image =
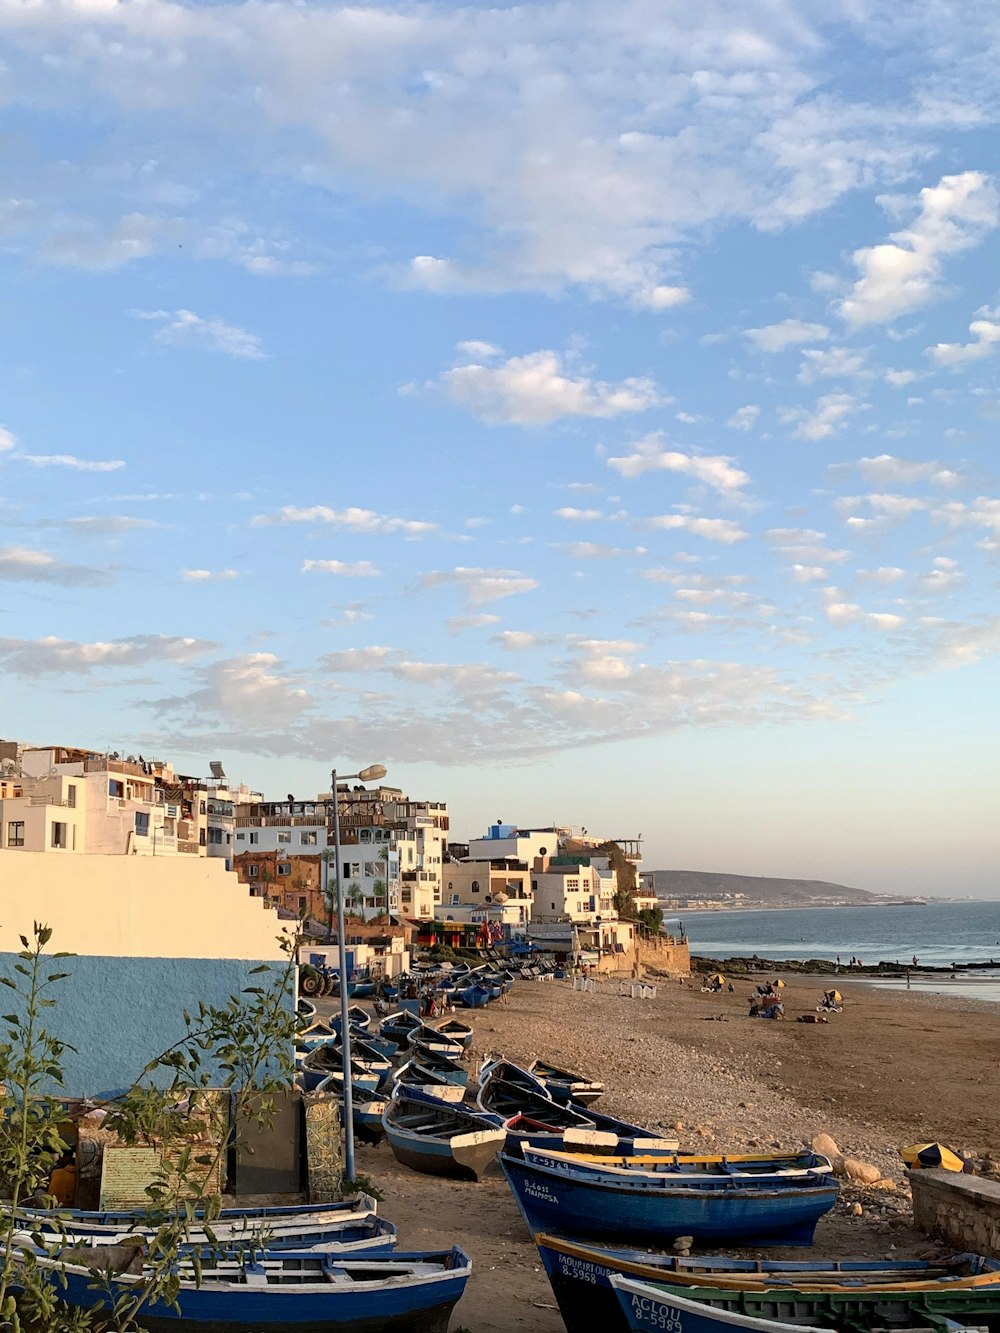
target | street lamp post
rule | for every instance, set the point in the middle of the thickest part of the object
(371, 774)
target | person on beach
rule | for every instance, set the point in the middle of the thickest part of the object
(503, 992)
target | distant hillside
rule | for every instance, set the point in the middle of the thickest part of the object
(707, 884)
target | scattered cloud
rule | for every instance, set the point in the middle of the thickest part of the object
(649, 455)
(351, 569)
(579, 515)
(537, 389)
(744, 418)
(353, 519)
(72, 462)
(53, 656)
(985, 337)
(480, 586)
(832, 363)
(789, 333)
(456, 624)
(357, 659)
(209, 576)
(904, 273)
(712, 529)
(598, 551)
(20, 564)
(183, 328)
(828, 418)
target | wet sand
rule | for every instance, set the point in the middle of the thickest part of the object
(894, 1068)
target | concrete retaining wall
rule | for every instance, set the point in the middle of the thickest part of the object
(962, 1210)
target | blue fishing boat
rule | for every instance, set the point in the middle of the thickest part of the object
(455, 1030)
(359, 1019)
(710, 1172)
(327, 1061)
(440, 1140)
(454, 1071)
(408, 1293)
(364, 990)
(936, 1309)
(284, 1228)
(366, 1107)
(524, 1133)
(563, 1085)
(398, 1025)
(316, 1034)
(432, 1039)
(579, 1273)
(586, 1203)
(429, 1081)
(495, 1069)
(474, 996)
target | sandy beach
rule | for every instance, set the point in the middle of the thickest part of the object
(894, 1068)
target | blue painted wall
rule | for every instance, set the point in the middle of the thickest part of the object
(121, 1012)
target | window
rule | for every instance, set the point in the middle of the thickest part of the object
(15, 833)
(253, 871)
(475, 886)
(284, 868)
(201, 837)
(240, 837)
(284, 836)
(215, 836)
(116, 788)
(202, 807)
(456, 898)
(141, 824)
(307, 839)
(58, 834)
(71, 795)
(303, 903)
(254, 837)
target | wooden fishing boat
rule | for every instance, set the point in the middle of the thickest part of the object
(305, 1010)
(523, 1133)
(409, 1293)
(452, 1070)
(415, 1075)
(327, 1061)
(316, 1034)
(623, 1208)
(440, 1140)
(398, 1025)
(284, 1228)
(433, 1040)
(357, 1018)
(579, 1273)
(508, 1100)
(455, 1030)
(495, 1067)
(564, 1086)
(646, 1306)
(364, 990)
(693, 1171)
(474, 996)
(366, 1107)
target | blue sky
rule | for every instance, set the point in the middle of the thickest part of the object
(588, 411)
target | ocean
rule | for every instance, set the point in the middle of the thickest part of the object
(938, 933)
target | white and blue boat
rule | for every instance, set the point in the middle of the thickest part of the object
(273, 1293)
(693, 1171)
(398, 1025)
(453, 1070)
(579, 1273)
(556, 1197)
(474, 996)
(455, 1030)
(428, 1081)
(441, 1140)
(280, 1228)
(563, 1085)
(432, 1039)
(942, 1308)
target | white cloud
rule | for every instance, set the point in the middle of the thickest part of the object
(209, 576)
(104, 525)
(72, 462)
(536, 389)
(33, 657)
(21, 564)
(889, 470)
(354, 519)
(85, 244)
(885, 574)
(808, 573)
(789, 333)
(744, 418)
(944, 576)
(904, 272)
(480, 585)
(985, 336)
(832, 363)
(598, 551)
(649, 455)
(712, 529)
(351, 569)
(7, 440)
(803, 546)
(830, 416)
(517, 640)
(183, 328)
(248, 690)
(899, 379)
(363, 660)
(579, 515)
(458, 623)
(660, 297)
(480, 351)
(839, 613)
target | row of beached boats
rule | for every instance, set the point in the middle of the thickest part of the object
(605, 1199)
(324, 1268)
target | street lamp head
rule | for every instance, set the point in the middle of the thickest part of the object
(372, 773)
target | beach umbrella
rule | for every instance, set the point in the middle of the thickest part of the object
(779, 983)
(834, 996)
(931, 1154)
(717, 980)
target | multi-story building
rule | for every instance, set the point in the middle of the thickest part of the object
(574, 888)
(503, 883)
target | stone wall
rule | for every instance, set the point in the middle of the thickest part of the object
(666, 954)
(962, 1210)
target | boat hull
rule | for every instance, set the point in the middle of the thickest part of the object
(580, 1276)
(597, 1207)
(421, 1306)
(465, 1157)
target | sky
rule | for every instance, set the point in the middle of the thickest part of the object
(588, 411)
